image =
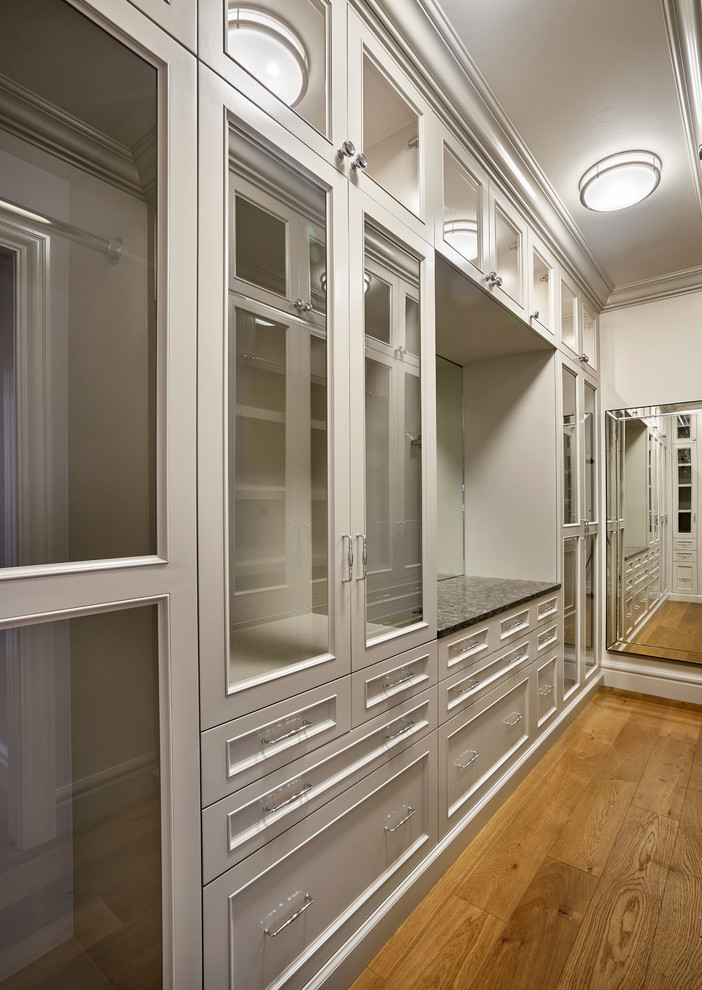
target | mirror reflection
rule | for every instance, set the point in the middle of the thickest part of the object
(653, 604)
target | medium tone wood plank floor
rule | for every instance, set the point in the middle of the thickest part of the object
(673, 632)
(590, 875)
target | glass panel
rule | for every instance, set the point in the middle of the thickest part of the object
(449, 466)
(79, 362)
(571, 615)
(287, 55)
(80, 814)
(684, 455)
(684, 522)
(412, 340)
(541, 291)
(685, 497)
(685, 475)
(277, 456)
(589, 645)
(682, 427)
(462, 215)
(508, 255)
(260, 247)
(590, 442)
(377, 309)
(569, 326)
(390, 137)
(570, 464)
(590, 336)
(393, 461)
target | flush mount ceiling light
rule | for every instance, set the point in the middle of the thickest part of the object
(620, 180)
(463, 236)
(270, 51)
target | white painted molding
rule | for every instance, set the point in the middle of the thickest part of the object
(674, 284)
(104, 778)
(58, 133)
(675, 681)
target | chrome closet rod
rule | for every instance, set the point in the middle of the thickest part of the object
(111, 248)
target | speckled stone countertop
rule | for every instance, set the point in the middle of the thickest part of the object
(633, 551)
(462, 601)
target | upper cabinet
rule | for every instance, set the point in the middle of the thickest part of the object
(578, 325)
(178, 17)
(541, 280)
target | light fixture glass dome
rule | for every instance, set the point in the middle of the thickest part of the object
(620, 180)
(270, 51)
(463, 236)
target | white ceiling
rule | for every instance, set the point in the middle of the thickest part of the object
(579, 80)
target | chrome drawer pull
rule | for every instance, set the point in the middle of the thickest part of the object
(465, 645)
(546, 609)
(294, 797)
(405, 728)
(546, 691)
(412, 811)
(466, 690)
(514, 625)
(304, 724)
(519, 656)
(514, 716)
(474, 757)
(293, 917)
(403, 677)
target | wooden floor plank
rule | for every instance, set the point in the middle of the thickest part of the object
(586, 839)
(664, 781)
(632, 749)
(534, 946)
(368, 980)
(617, 933)
(695, 780)
(453, 945)
(675, 960)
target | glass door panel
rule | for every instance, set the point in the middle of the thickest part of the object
(462, 210)
(508, 256)
(542, 279)
(589, 451)
(569, 318)
(390, 136)
(591, 604)
(570, 449)
(590, 336)
(571, 615)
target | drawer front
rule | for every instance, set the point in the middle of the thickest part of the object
(464, 648)
(274, 919)
(477, 744)
(546, 638)
(547, 609)
(515, 624)
(685, 555)
(466, 687)
(247, 748)
(245, 821)
(684, 544)
(547, 690)
(380, 687)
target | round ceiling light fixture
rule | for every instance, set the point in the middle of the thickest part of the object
(620, 180)
(463, 236)
(270, 51)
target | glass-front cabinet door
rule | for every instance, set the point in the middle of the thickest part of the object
(393, 583)
(461, 212)
(541, 287)
(273, 375)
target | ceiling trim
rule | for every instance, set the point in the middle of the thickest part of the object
(661, 287)
(683, 26)
(53, 130)
(427, 37)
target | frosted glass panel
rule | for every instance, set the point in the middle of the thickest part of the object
(80, 839)
(78, 362)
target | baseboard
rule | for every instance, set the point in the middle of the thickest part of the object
(673, 680)
(350, 960)
(678, 596)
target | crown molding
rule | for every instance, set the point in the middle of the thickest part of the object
(430, 42)
(51, 129)
(661, 287)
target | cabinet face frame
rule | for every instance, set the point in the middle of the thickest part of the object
(362, 210)
(177, 17)
(220, 108)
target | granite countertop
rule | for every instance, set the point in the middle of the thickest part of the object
(462, 601)
(630, 552)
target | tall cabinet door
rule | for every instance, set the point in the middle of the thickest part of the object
(99, 722)
(392, 454)
(273, 411)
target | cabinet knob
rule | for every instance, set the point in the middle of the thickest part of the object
(303, 307)
(583, 358)
(347, 150)
(493, 279)
(360, 161)
(535, 315)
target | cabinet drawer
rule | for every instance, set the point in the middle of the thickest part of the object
(461, 649)
(467, 686)
(684, 555)
(242, 823)
(480, 742)
(384, 685)
(513, 625)
(547, 690)
(684, 544)
(275, 918)
(546, 609)
(546, 638)
(241, 751)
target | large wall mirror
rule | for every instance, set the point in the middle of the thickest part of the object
(654, 591)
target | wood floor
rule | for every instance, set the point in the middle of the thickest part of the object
(590, 876)
(673, 632)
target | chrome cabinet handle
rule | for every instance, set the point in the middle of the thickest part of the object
(412, 811)
(583, 358)
(403, 678)
(359, 162)
(405, 728)
(493, 279)
(514, 625)
(515, 716)
(519, 656)
(546, 691)
(293, 917)
(349, 557)
(474, 757)
(347, 150)
(301, 306)
(466, 690)
(304, 724)
(276, 807)
(534, 315)
(364, 556)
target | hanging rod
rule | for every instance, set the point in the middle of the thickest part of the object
(111, 248)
